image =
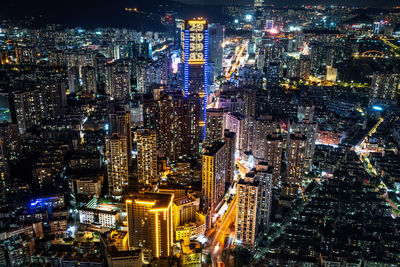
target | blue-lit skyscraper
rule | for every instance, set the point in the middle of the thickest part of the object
(195, 59)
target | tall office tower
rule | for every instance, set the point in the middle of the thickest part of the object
(216, 48)
(120, 122)
(117, 163)
(195, 62)
(259, 15)
(377, 27)
(384, 87)
(273, 74)
(213, 175)
(215, 124)
(295, 152)
(273, 156)
(89, 80)
(246, 210)
(150, 224)
(146, 140)
(230, 139)
(178, 132)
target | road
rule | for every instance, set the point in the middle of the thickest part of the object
(369, 168)
(218, 237)
(239, 54)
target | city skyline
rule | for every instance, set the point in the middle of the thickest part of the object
(213, 134)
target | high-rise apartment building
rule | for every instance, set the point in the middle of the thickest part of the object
(178, 132)
(263, 174)
(120, 122)
(309, 129)
(216, 50)
(253, 204)
(118, 81)
(295, 153)
(213, 175)
(385, 87)
(215, 124)
(117, 163)
(230, 139)
(246, 211)
(146, 140)
(150, 224)
(273, 74)
(273, 156)
(44, 101)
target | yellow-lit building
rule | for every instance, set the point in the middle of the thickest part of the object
(185, 210)
(150, 224)
(117, 163)
(246, 211)
(147, 155)
(213, 175)
(190, 231)
(191, 254)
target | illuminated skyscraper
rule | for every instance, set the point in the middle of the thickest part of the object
(117, 163)
(213, 175)
(246, 210)
(146, 155)
(253, 204)
(150, 224)
(195, 60)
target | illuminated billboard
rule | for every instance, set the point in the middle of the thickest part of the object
(195, 41)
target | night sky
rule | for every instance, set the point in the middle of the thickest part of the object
(97, 13)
